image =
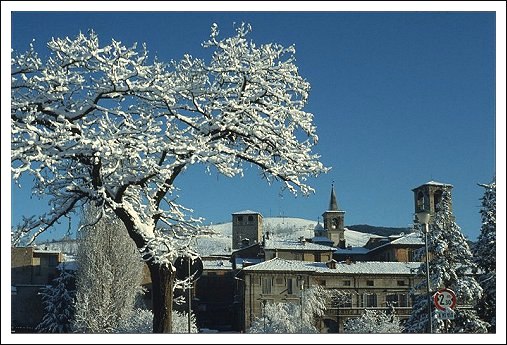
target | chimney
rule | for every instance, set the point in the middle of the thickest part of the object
(331, 264)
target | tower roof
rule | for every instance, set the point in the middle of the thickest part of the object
(434, 183)
(333, 204)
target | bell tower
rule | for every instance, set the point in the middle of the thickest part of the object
(428, 195)
(334, 221)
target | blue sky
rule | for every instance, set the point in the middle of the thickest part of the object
(399, 99)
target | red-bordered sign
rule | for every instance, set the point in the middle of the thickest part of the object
(444, 299)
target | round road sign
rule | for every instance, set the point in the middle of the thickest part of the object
(444, 299)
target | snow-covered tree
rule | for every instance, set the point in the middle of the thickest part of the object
(374, 321)
(58, 303)
(109, 125)
(141, 321)
(286, 317)
(180, 322)
(108, 277)
(485, 256)
(451, 266)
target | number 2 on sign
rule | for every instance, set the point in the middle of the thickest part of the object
(444, 300)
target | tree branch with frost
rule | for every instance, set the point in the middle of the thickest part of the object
(104, 123)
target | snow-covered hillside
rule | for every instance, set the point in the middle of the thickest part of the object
(220, 243)
(283, 228)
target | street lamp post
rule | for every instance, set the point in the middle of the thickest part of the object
(424, 218)
(301, 316)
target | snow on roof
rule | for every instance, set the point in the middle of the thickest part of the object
(377, 236)
(352, 250)
(247, 212)
(412, 238)
(434, 183)
(43, 251)
(321, 239)
(356, 238)
(295, 245)
(217, 264)
(360, 267)
(240, 262)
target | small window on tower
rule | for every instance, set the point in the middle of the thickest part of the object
(420, 201)
(437, 197)
(250, 218)
(240, 219)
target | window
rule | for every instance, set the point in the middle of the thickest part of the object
(369, 300)
(397, 300)
(401, 283)
(266, 285)
(346, 283)
(240, 219)
(290, 290)
(437, 197)
(250, 218)
(392, 299)
(411, 255)
(402, 300)
(321, 282)
(369, 283)
(420, 201)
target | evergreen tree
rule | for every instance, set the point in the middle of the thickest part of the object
(485, 256)
(58, 303)
(451, 266)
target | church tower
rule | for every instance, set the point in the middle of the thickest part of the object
(428, 195)
(334, 221)
(246, 228)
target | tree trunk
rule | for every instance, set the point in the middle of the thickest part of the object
(162, 277)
